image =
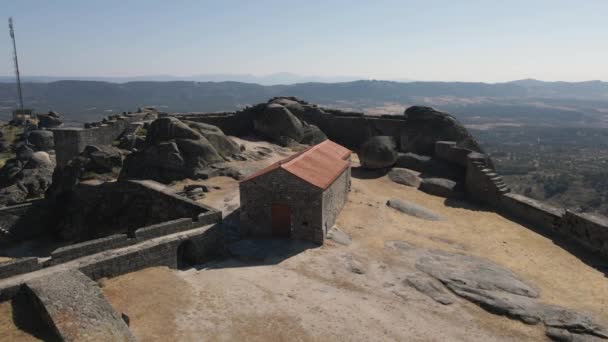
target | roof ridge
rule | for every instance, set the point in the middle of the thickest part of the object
(303, 153)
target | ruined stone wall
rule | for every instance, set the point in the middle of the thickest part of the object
(279, 186)
(334, 199)
(122, 207)
(69, 142)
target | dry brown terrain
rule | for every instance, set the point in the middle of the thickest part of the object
(318, 294)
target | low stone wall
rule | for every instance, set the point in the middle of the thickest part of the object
(19, 266)
(589, 230)
(530, 210)
(78, 250)
(162, 251)
(203, 244)
(179, 225)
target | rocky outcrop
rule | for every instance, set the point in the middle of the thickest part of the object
(176, 150)
(413, 209)
(27, 176)
(495, 289)
(40, 140)
(442, 187)
(404, 177)
(95, 162)
(50, 120)
(276, 122)
(425, 126)
(378, 152)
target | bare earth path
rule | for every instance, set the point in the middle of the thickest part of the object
(356, 292)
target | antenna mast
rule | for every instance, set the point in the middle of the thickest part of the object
(12, 32)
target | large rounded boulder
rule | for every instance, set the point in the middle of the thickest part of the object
(427, 125)
(378, 152)
(176, 149)
(50, 120)
(41, 140)
(224, 146)
(168, 128)
(277, 122)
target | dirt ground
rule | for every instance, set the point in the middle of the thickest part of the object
(318, 294)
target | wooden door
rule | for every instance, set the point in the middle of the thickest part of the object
(281, 220)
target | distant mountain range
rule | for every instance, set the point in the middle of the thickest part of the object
(89, 100)
(270, 79)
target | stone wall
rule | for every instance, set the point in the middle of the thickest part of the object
(69, 142)
(229, 123)
(346, 129)
(589, 230)
(449, 151)
(485, 186)
(532, 211)
(334, 199)
(159, 251)
(279, 186)
(179, 225)
(18, 266)
(162, 251)
(122, 207)
(78, 250)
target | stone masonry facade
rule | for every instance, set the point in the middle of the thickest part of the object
(313, 211)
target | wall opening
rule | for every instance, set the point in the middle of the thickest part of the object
(186, 255)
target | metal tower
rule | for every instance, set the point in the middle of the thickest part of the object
(12, 32)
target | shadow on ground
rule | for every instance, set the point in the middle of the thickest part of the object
(240, 252)
(257, 252)
(464, 204)
(362, 173)
(26, 317)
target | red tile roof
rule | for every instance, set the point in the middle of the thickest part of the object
(318, 165)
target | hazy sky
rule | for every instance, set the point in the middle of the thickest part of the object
(463, 40)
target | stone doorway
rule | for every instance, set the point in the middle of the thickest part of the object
(186, 255)
(281, 220)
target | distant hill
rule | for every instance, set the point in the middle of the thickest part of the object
(89, 100)
(270, 79)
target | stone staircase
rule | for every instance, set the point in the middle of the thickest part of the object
(482, 182)
(492, 176)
